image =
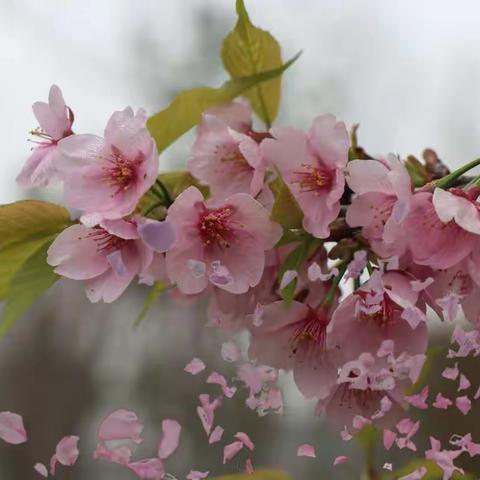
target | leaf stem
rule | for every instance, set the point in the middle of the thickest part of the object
(330, 295)
(166, 195)
(446, 181)
(152, 207)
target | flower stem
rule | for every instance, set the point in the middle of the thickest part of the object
(446, 181)
(152, 207)
(166, 195)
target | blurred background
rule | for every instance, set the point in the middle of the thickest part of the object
(408, 71)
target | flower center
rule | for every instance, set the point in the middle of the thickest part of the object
(215, 227)
(120, 172)
(106, 242)
(380, 310)
(352, 397)
(313, 179)
(311, 332)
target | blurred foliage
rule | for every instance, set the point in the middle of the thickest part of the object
(26, 230)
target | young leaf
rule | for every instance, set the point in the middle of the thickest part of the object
(33, 278)
(294, 261)
(248, 50)
(258, 475)
(178, 181)
(285, 210)
(157, 289)
(187, 107)
(25, 227)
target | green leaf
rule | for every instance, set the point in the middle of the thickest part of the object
(285, 210)
(248, 50)
(258, 475)
(25, 227)
(155, 292)
(294, 261)
(33, 278)
(178, 181)
(187, 107)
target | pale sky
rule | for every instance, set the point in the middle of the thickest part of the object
(408, 71)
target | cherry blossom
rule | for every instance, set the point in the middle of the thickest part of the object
(312, 166)
(55, 120)
(230, 238)
(105, 177)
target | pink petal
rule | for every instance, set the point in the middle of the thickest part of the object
(339, 460)
(418, 474)
(245, 439)
(195, 366)
(216, 435)
(12, 429)
(159, 236)
(66, 451)
(287, 278)
(388, 439)
(230, 352)
(231, 450)
(441, 402)
(170, 439)
(450, 373)
(463, 404)
(306, 450)
(345, 434)
(41, 469)
(249, 466)
(148, 469)
(196, 475)
(419, 400)
(464, 383)
(121, 425)
(218, 379)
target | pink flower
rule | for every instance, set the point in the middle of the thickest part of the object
(55, 120)
(295, 336)
(12, 429)
(226, 154)
(376, 312)
(382, 202)
(105, 177)
(230, 239)
(431, 241)
(369, 390)
(109, 256)
(312, 166)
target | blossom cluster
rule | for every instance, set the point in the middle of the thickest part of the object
(339, 296)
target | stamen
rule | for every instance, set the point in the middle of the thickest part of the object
(311, 330)
(216, 227)
(313, 179)
(106, 242)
